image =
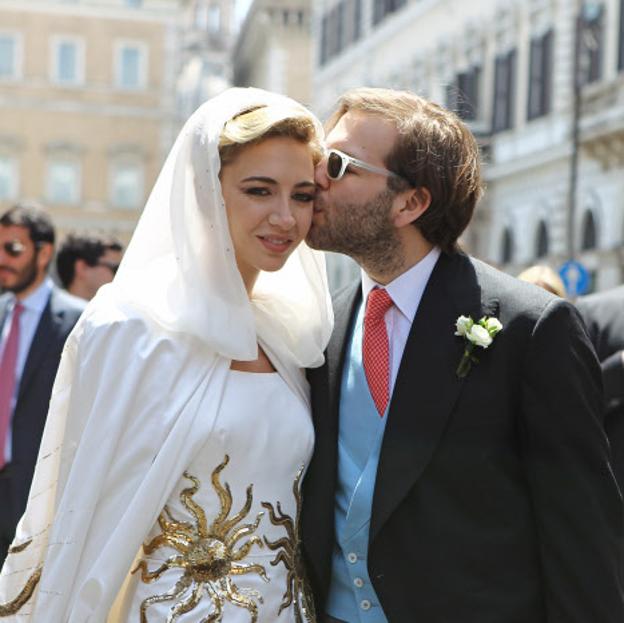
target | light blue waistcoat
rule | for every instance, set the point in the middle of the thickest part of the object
(352, 597)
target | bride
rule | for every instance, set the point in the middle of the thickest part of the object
(167, 486)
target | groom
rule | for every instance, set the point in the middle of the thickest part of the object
(456, 478)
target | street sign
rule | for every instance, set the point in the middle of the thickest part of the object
(575, 278)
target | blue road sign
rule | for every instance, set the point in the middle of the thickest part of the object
(575, 278)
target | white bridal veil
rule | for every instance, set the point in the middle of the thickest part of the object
(179, 266)
(141, 377)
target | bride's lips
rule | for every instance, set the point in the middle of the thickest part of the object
(276, 244)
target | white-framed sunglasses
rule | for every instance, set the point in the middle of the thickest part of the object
(337, 163)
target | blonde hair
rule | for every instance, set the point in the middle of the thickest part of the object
(544, 277)
(258, 124)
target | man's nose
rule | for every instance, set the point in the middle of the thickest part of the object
(320, 174)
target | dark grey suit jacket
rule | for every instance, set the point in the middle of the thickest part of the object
(494, 500)
(603, 314)
(57, 320)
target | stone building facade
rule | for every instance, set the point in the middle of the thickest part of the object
(514, 69)
(274, 48)
(87, 99)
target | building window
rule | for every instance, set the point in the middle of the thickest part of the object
(507, 247)
(590, 34)
(540, 75)
(67, 61)
(589, 239)
(340, 27)
(382, 8)
(541, 242)
(504, 82)
(63, 183)
(131, 66)
(127, 186)
(463, 95)
(214, 19)
(8, 56)
(8, 179)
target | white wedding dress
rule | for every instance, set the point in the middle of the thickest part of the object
(226, 545)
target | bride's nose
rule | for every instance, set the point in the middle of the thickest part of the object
(282, 215)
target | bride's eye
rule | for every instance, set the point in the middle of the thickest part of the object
(303, 197)
(258, 191)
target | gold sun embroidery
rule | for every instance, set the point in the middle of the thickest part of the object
(15, 605)
(290, 556)
(206, 554)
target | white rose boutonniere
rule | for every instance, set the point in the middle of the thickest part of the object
(475, 334)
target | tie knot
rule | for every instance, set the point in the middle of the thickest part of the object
(379, 302)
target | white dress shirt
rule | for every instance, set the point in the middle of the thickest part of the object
(406, 291)
(34, 305)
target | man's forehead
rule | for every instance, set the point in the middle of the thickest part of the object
(363, 135)
(18, 232)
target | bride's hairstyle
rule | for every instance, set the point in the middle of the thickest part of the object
(263, 122)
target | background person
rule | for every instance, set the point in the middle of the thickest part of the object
(85, 262)
(603, 313)
(461, 472)
(544, 277)
(180, 417)
(35, 319)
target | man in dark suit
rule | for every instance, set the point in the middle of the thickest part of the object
(603, 313)
(461, 471)
(35, 319)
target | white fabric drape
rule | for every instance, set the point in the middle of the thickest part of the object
(142, 374)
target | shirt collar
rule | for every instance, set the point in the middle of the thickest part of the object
(38, 299)
(407, 289)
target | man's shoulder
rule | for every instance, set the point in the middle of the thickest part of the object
(613, 298)
(66, 308)
(66, 302)
(510, 291)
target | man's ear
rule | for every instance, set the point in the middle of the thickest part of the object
(80, 266)
(44, 255)
(410, 205)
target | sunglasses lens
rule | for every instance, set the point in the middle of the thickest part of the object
(334, 165)
(14, 248)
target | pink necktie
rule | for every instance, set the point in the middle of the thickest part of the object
(375, 348)
(7, 377)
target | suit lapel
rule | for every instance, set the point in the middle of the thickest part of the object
(427, 386)
(336, 349)
(4, 305)
(41, 342)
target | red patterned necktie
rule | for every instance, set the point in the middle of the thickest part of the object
(376, 350)
(7, 377)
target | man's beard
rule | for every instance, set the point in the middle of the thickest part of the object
(26, 277)
(363, 232)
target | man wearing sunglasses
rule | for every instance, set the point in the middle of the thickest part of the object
(35, 319)
(85, 262)
(461, 472)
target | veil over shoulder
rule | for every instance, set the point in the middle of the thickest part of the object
(142, 375)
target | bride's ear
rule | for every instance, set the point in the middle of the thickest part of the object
(410, 204)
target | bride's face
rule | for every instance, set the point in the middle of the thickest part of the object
(269, 194)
